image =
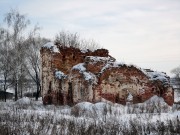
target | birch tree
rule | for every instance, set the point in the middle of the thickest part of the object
(5, 60)
(17, 23)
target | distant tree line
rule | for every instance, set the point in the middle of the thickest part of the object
(176, 72)
(20, 51)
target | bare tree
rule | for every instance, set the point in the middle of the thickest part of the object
(34, 43)
(176, 72)
(89, 44)
(17, 23)
(21, 52)
(5, 60)
(67, 39)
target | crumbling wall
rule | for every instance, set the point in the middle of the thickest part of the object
(46, 74)
(68, 57)
(71, 75)
(58, 90)
(116, 83)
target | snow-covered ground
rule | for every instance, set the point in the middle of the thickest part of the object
(177, 96)
(29, 117)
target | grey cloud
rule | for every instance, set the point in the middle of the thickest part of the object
(127, 28)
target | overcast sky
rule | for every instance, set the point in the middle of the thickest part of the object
(141, 32)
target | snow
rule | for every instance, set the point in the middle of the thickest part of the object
(157, 101)
(90, 109)
(86, 117)
(176, 96)
(130, 97)
(59, 75)
(84, 50)
(23, 101)
(10, 90)
(79, 67)
(155, 98)
(85, 105)
(97, 58)
(154, 75)
(88, 76)
(111, 65)
(52, 47)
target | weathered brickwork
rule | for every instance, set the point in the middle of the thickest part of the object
(70, 75)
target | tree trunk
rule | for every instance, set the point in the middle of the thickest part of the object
(5, 90)
(5, 96)
(38, 85)
(16, 90)
(37, 92)
(21, 87)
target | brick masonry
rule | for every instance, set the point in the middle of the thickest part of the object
(71, 75)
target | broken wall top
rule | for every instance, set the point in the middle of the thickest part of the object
(96, 62)
(64, 58)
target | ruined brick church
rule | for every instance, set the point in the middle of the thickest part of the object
(70, 75)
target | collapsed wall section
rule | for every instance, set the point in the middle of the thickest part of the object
(71, 75)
